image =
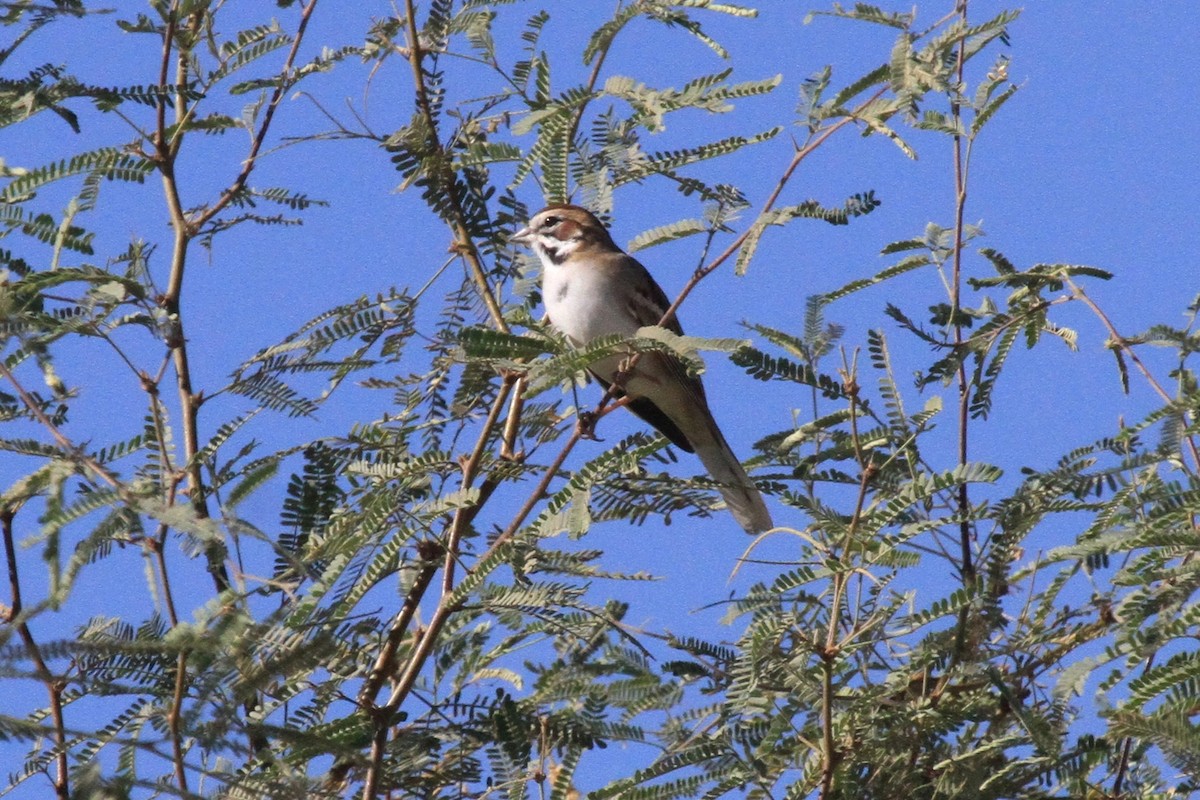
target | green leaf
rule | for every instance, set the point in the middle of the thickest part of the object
(478, 342)
(666, 233)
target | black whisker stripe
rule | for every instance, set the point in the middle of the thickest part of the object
(556, 256)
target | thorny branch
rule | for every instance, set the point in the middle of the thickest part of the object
(68, 447)
(167, 147)
(1122, 345)
(385, 660)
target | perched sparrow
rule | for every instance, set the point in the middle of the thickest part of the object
(592, 288)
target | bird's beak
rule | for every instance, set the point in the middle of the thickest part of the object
(523, 236)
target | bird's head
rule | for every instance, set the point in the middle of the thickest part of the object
(556, 233)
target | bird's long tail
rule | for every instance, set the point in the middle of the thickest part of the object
(741, 496)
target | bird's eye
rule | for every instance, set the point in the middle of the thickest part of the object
(550, 222)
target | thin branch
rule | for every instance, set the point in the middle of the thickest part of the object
(184, 230)
(512, 424)
(579, 112)
(285, 75)
(470, 469)
(54, 685)
(830, 757)
(1119, 342)
(964, 384)
(160, 110)
(463, 241)
(385, 661)
(797, 159)
(704, 271)
(175, 719)
(378, 745)
(425, 646)
(159, 546)
(189, 400)
(66, 444)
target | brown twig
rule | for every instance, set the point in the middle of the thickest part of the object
(705, 270)
(384, 664)
(404, 685)
(464, 242)
(964, 385)
(54, 685)
(239, 183)
(167, 149)
(512, 424)
(797, 159)
(429, 636)
(590, 87)
(830, 757)
(66, 444)
(175, 720)
(470, 470)
(1119, 342)
(184, 229)
(385, 661)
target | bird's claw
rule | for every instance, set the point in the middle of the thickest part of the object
(620, 378)
(586, 425)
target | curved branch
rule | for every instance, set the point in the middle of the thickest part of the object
(463, 242)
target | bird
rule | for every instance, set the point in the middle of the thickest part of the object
(592, 288)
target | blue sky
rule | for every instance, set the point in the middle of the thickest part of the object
(1094, 161)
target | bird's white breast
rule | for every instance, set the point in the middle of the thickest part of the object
(585, 302)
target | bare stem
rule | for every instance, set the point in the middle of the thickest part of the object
(964, 385)
(174, 721)
(167, 150)
(579, 112)
(830, 756)
(797, 159)
(54, 685)
(285, 83)
(470, 470)
(444, 609)
(167, 147)
(385, 661)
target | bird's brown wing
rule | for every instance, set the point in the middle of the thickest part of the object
(651, 302)
(647, 307)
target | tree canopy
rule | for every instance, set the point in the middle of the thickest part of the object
(301, 496)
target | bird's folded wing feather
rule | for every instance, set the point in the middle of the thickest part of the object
(646, 306)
